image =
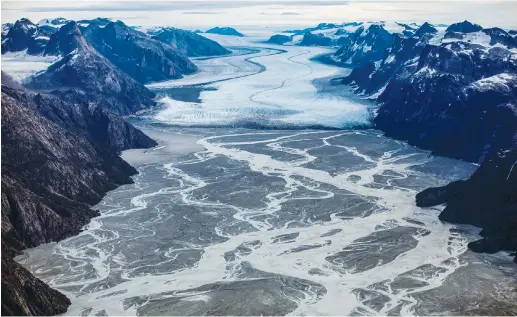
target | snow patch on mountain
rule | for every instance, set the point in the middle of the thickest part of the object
(504, 81)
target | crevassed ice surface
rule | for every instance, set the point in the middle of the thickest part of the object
(273, 222)
(267, 87)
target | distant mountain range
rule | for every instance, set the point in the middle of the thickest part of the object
(224, 31)
(106, 61)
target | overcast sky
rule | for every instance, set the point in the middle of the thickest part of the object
(203, 14)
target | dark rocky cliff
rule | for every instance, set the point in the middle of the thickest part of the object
(455, 93)
(487, 200)
(84, 75)
(25, 35)
(22, 293)
(366, 44)
(459, 101)
(58, 158)
(371, 76)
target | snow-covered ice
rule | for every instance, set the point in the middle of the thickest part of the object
(270, 87)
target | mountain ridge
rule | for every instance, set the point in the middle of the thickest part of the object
(59, 158)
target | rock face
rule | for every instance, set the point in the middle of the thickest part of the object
(67, 39)
(487, 200)
(23, 294)
(458, 101)
(5, 29)
(52, 25)
(279, 39)
(224, 31)
(464, 27)
(66, 164)
(366, 44)
(137, 54)
(372, 76)
(25, 35)
(454, 92)
(310, 39)
(187, 42)
(58, 159)
(84, 75)
(452, 95)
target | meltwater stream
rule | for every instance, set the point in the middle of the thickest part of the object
(272, 222)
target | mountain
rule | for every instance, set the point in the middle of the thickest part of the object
(310, 39)
(137, 54)
(359, 42)
(500, 36)
(66, 40)
(464, 27)
(22, 293)
(84, 75)
(52, 25)
(454, 91)
(324, 34)
(458, 100)
(367, 44)
(224, 31)
(372, 76)
(425, 28)
(58, 159)
(24, 35)
(187, 42)
(452, 95)
(101, 22)
(279, 39)
(5, 29)
(488, 199)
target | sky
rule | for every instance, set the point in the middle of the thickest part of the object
(266, 13)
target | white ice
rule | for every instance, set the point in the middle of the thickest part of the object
(272, 87)
(20, 65)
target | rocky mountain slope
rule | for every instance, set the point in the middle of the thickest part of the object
(224, 31)
(358, 42)
(58, 159)
(84, 75)
(143, 58)
(487, 200)
(280, 39)
(367, 44)
(372, 75)
(310, 39)
(24, 35)
(457, 98)
(187, 42)
(27, 34)
(454, 91)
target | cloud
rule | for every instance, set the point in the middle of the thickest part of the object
(201, 12)
(282, 13)
(36, 6)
